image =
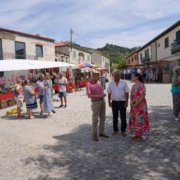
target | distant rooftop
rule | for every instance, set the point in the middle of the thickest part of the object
(60, 44)
(37, 36)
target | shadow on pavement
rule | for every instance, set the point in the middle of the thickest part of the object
(77, 156)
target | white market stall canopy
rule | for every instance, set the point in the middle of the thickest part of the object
(101, 68)
(24, 64)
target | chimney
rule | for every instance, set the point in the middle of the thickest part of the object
(37, 35)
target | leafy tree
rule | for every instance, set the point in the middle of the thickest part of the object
(121, 64)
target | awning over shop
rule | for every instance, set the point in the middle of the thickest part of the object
(162, 62)
(24, 64)
(137, 65)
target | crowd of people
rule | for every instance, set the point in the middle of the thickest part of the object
(118, 99)
(149, 74)
(43, 90)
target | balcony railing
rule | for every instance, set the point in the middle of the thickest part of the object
(146, 59)
(175, 47)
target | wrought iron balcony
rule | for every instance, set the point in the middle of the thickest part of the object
(146, 59)
(175, 47)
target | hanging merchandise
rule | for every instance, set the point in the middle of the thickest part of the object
(67, 73)
(4, 81)
(50, 71)
(12, 79)
(31, 70)
(9, 79)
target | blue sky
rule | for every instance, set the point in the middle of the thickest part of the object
(127, 23)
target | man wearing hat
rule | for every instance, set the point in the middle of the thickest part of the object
(95, 92)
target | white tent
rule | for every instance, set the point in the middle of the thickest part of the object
(101, 68)
(24, 64)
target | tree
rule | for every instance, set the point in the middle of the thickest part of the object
(121, 64)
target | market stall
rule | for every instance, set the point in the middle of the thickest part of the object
(160, 66)
(84, 74)
(30, 69)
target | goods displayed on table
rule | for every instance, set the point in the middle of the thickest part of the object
(55, 100)
(77, 78)
(12, 111)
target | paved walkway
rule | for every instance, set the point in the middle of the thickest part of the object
(61, 148)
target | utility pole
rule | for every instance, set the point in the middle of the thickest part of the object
(71, 32)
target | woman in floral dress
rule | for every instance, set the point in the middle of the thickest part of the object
(139, 121)
(48, 101)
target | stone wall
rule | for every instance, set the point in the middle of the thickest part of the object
(8, 47)
(96, 58)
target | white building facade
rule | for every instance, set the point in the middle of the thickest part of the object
(76, 55)
(19, 45)
(166, 46)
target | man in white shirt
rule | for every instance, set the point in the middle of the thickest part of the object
(62, 82)
(118, 92)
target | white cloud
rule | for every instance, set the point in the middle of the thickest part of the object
(135, 20)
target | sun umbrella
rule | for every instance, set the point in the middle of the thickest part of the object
(83, 65)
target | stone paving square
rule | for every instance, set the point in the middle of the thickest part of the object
(61, 147)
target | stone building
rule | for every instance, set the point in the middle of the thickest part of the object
(100, 60)
(19, 45)
(61, 57)
(76, 55)
(132, 59)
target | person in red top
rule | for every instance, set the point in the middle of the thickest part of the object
(95, 92)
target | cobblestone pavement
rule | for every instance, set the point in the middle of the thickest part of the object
(62, 148)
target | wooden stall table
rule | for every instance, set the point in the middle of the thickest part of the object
(83, 82)
(55, 87)
(7, 96)
(71, 87)
(166, 78)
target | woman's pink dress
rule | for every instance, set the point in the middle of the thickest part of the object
(139, 121)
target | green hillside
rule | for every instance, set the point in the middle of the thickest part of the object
(116, 54)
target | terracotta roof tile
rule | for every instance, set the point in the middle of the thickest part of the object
(28, 35)
(60, 44)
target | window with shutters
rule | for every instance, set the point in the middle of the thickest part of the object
(166, 42)
(132, 59)
(88, 57)
(178, 35)
(141, 56)
(62, 59)
(74, 54)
